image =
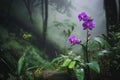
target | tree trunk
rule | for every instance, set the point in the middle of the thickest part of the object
(45, 24)
(28, 6)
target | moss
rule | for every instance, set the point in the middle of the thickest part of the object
(12, 45)
(3, 34)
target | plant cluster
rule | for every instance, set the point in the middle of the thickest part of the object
(114, 41)
(31, 65)
(73, 62)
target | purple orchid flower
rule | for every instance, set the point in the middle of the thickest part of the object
(78, 41)
(87, 21)
(73, 40)
(88, 24)
(83, 16)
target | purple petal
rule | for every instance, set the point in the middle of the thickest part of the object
(82, 16)
(90, 19)
(88, 24)
(85, 25)
(71, 39)
(78, 41)
(91, 25)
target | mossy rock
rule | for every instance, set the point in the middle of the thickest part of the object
(55, 75)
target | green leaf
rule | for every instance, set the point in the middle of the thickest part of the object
(72, 64)
(66, 62)
(83, 47)
(79, 74)
(69, 32)
(56, 59)
(58, 24)
(72, 28)
(94, 66)
(20, 64)
(103, 42)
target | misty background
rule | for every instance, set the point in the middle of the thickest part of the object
(39, 16)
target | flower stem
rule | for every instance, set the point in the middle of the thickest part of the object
(87, 70)
(87, 54)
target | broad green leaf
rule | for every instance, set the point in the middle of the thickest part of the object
(20, 64)
(72, 64)
(79, 74)
(56, 59)
(103, 52)
(66, 62)
(103, 42)
(33, 67)
(94, 66)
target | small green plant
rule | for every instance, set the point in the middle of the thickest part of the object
(31, 64)
(67, 25)
(71, 63)
(114, 41)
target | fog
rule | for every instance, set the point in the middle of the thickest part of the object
(60, 11)
(94, 8)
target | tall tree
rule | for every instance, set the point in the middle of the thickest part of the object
(28, 4)
(45, 21)
(111, 13)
